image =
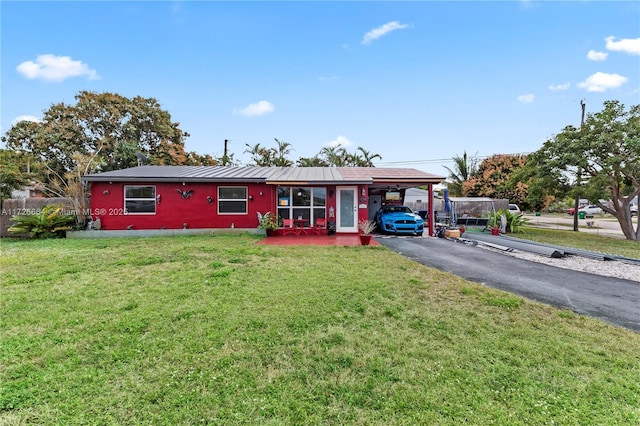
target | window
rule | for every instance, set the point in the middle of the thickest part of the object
(140, 199)
(306, 203)
(232, 199)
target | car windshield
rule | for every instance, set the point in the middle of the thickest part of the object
(396, 209)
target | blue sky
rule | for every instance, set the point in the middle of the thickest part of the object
(416, 82)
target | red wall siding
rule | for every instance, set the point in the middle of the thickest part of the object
(363, 200)
(107, 203)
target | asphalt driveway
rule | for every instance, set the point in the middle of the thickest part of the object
(613, 300)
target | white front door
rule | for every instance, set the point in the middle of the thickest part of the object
(347, 203)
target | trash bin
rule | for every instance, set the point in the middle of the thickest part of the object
(582, 215)
(331, 227)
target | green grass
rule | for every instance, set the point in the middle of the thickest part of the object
(219, 330)
(582, 240)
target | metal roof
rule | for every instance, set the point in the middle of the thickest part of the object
(304, 175)
(269, 175)
(182, 174)
(377, 175)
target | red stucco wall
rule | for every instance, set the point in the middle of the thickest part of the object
(173, 211)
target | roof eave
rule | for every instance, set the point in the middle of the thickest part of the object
(168, 179)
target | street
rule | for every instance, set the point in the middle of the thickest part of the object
(602, 224)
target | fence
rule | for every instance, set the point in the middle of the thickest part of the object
(25, 206)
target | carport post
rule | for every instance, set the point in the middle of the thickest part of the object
(430, 215)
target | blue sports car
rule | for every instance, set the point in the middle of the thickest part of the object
(399, 220)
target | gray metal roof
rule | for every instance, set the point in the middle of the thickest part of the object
(270, 175)
(182, 173)
(289, 175)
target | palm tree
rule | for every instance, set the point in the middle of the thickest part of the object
(335, 156)
(366, 158)
(464, 167)
(280, 154)
(311, 162)
(257, 152)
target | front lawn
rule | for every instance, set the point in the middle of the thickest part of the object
(219, 330)
(582, 240)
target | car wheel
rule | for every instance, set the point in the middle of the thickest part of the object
(419, 234)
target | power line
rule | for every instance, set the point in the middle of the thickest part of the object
(438, 160)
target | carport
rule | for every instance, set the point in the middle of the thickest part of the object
(389, 186)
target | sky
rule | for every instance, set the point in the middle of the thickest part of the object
(415, 82)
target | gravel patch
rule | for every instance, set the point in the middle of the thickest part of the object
(608, 268)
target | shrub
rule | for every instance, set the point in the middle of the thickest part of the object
(514, 221)
(49, 222)
(269, 221)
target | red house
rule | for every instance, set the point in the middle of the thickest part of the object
(176, 197)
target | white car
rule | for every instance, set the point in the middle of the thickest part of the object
(590, 210)
(634, 209)
(515, 209)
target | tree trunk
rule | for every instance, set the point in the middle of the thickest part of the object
(626, 225)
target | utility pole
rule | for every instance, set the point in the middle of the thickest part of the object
(225, 158)
(579, 174)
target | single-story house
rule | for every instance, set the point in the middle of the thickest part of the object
(175, 197)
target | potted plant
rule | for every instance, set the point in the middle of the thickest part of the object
(268, 222)
(366, 228)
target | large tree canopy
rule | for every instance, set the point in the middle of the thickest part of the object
(494, 178)
(604, 156)
(106, 128)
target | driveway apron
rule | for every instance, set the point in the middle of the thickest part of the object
(613, 300)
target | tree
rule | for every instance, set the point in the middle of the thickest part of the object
(270, 157)
(260, 156)
(365, 158)
(106, 127)
(311, 162)
(281, 153)
(14, 173)
(464, 167)
(494, 178)
(194, 159)
(604, 155)
(101, 132)
(545, 186)
(338, 156)
(332, 156)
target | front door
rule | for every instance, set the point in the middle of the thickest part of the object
(347, 203)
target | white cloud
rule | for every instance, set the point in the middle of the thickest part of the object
(25, 118)
(526, 99)
(259, 108)
(559, 87)
(593, 55)
(55, 68)
(340, 141)
(376, 33)
(600, 82)
(627, 45)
